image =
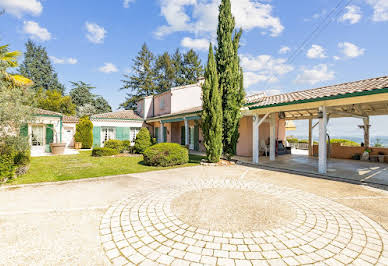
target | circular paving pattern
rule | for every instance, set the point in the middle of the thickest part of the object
(143, 229)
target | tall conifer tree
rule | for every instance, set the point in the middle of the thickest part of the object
(212, 111)
(229, 74)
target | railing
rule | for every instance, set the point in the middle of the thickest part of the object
(300, 146)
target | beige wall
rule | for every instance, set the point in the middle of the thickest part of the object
(166, 108)
(244, 145)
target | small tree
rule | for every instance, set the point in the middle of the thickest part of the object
(53, 100)
(84, 132)
(143, 140)
(212, 111)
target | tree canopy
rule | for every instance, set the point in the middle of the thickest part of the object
(53, 100)
(37, 67)
(156, 74)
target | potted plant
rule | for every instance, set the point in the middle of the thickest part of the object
(365, 156)
(381, 156)
(77, 145)
(57, 148)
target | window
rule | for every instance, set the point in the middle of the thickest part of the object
(108, 133)
(161, 103)
(133, 133)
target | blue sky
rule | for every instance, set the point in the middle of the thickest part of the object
(95, 41)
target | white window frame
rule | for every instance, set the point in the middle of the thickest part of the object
(133, 133)
(105, 134)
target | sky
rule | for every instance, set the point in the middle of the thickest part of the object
(96, 41)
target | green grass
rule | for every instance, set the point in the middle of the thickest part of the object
(83, 165)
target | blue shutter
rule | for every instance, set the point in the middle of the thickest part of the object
(96, 136)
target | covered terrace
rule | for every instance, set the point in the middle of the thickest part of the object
(360, 99)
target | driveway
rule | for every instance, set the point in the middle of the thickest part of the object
(222, 215)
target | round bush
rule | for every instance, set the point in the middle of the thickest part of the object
(143, 140)
(166, 154)
(114, 144)
(99, 152)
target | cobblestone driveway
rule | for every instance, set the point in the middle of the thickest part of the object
(142, 229)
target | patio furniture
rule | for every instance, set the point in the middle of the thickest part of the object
(281, 149)
(264, 148)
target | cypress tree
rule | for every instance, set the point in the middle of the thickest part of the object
(229, 74)
(212, 111)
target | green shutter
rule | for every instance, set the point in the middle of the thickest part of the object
(122, 133)
(165, 134)
(157, 134)
(196, 138)
(96, 136)
(49, 137)
(24, 130)
(183, 135)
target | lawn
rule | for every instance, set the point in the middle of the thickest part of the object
(83, 165)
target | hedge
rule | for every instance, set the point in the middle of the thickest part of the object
(143, 140)
(114, 144)
(166, 154)
(84, 133)
(99, 152)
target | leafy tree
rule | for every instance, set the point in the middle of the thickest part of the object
(192, 67)
(87, 103)
(84, 132)
(102, 105)
(230, 76)
(54, 101)
(37, 67)
(212, 111)
(81, 93)
(142, 81)
(165, 72)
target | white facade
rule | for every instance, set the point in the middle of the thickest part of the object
(185, 98)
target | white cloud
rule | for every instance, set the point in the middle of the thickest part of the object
(318, 73)
(202, 19)
(35, 31)
(352, 15)
(380, 8)
(20, 7)
(263, 68)
(336, 58)
(108, 68)
(96, 33)
(196, 44)
(127, 2)
(351, 50)
(316, 51)
(284, 50)
(70, 60)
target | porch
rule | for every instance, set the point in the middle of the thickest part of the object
(359, 171)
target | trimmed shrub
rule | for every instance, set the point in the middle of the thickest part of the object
(84, 133)
(143, 140)
(114, 144)
(166, 154)
(127, 146)
(99, 152)
(7, 166)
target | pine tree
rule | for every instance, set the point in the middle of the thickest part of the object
(177, 61)
(212, 111)
(102, 105)
(192, 67)
(165, 73)
(81, 93)
(142, 81)
(229, 74)
(37, 67)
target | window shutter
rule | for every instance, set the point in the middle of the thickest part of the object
(157, 134)
(49, 137)
(196, 138)
(96, 136)
(24, 130)
(165, 134)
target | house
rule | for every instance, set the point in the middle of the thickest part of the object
(121, 125)
(53, 127)
(175, 116)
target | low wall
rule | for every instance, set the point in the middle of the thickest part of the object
(346, 152)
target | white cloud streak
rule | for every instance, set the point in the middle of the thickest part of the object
(96, 33)
(70, 60)
(108, 68)
(316, 52)
(35, 31)
(127, 2)
(196, 44)
(350, 50)
(20, 7)
(284, 50)
(380, 10)
(318, 73)
(353, 15)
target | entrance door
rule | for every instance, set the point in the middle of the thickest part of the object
(68, 137)
(191, 138)
(37, 138)
(108, 133)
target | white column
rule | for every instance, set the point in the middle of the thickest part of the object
(186, 132)
(255, 140)
(161, 135)
(322, 165)
(311, 137)
(272, 136)
(366, 132)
